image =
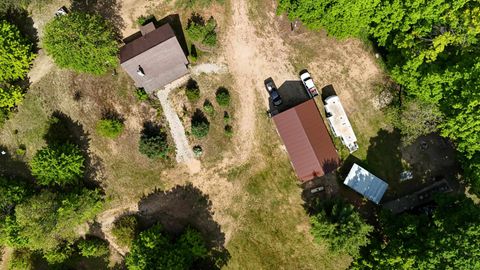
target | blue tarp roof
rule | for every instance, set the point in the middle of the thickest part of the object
(365, 183)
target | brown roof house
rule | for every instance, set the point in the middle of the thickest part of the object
(154, 59)
(308, 143)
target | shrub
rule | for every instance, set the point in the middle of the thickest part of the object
(59, 254)
(93, 247)
(58, 164)
(200, 124)
(226, 117)
(208, 107)
(192, 91)
(10, 97)
(82, 42)
(142, 20)
(110, 128)
(200, 31)
(223, 97)
(125, 230)
(154, 147)
(21, 260)
(16, 53)
(141, 94)
(228, 130)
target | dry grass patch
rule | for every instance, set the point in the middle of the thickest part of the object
(272, 230)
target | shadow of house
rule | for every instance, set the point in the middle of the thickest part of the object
(185, 206)
(292, 93)
(108, 9)
(64, 129)
(155, 57)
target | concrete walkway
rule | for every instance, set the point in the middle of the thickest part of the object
(184, 151)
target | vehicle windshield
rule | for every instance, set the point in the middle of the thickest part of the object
(309, 83)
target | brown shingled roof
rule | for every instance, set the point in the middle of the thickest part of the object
(308, 143)
(146, 42)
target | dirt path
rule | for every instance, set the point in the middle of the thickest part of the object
(251, 59)
(7, 253)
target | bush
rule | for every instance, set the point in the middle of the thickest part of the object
(16, 53)
(202, 32)
(226, 117)
(208, 107)
(110, 128)
(58, 164)
(125, 230)
(82, 42)
(200, 124)
(21, 260)
(154, 147)
(93, 247)
(223, 97)
(59, 254)
(141, 94)
(192, 91)
(228, 130)
(142, 20)
(10, 97)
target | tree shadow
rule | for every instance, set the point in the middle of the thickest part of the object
(384, 158)
(327, 91)
(108, 9)
(21, 18)
(199, 117)
(151, 129)
(222, 90)
(64, 129)
(111, 114)
(185, 206)
(12, 167)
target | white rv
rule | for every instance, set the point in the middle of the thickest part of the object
(338, 121)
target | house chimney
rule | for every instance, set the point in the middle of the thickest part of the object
(147, 28)
(140, 71)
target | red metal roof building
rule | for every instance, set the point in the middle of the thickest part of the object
(308, 143)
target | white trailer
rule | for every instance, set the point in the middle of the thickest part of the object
(339, 123)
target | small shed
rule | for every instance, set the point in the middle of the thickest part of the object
(307, 141)
(365, 183)
(154, 59)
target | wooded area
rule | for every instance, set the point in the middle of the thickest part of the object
(430, 49)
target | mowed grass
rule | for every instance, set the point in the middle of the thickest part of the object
(272, 230)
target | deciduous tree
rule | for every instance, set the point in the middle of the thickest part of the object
(16, 54)
(82, 42)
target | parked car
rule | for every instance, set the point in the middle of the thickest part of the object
(273, 92)
(308, 83)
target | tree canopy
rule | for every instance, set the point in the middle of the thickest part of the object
(58, 164)
(431, 51)
(448, 239)
(340, 226)
(48, 219)
(82, 42)
(16, 53)
(154, 249)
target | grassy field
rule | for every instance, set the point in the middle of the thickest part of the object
(273, 228)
